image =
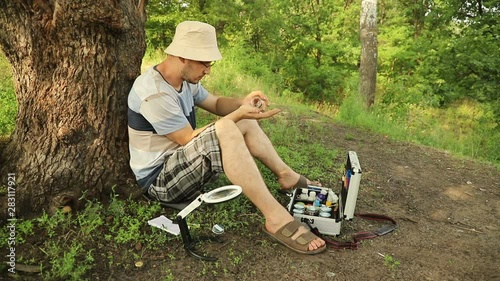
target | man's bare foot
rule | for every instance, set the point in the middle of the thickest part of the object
(290, 179)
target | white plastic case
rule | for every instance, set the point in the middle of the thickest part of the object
(345, 206)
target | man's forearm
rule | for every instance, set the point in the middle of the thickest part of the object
(226, 105)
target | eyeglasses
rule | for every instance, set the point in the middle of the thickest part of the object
(207, 64)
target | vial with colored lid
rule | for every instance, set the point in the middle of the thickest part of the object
(320, 198)
(331, 199)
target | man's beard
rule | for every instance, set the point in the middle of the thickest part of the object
(185, 76)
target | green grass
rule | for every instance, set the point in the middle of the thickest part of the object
(72, 242)
(8, 103)
(467, 129)
(391, 262)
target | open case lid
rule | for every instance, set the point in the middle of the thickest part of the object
(350, 186)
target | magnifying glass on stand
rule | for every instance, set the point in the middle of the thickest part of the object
(215, 196)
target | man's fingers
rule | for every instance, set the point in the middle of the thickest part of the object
(269, 113)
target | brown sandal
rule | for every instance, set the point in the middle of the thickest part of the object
(299, 245)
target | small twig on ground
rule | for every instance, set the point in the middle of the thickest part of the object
(225, 244)
(469, 229)
(28, 268)
(155, 258)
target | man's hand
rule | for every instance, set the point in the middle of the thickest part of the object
(247, 111)
(257, 99)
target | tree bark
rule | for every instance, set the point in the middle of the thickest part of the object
(368, 64)
(73, 65)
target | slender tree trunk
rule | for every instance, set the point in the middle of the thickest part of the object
(368, 64)
(420, 7)
(318, 37)
(73, 65)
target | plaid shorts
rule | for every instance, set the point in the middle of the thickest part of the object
(189, 168)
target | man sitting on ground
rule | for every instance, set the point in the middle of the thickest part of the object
(172, 159)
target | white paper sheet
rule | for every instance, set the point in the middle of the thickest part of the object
(164, 223)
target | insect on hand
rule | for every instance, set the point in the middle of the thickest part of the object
(258, 102)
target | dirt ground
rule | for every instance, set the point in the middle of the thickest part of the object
(447, 210)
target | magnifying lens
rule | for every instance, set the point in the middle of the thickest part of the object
(215, 196)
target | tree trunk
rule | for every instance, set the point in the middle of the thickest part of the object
(368, 64)
(73, 65)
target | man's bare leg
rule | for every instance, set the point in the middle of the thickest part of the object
(241, 169)
(260, 146)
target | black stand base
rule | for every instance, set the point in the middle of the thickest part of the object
(190, 243)
(187, 240)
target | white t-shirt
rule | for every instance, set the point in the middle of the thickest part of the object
(155, 109)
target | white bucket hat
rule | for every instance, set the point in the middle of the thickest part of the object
(194, 40)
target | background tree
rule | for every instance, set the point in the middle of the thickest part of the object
(73, 64)
(369, 53)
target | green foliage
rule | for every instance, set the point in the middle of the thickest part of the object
(467, 128)
(314, 63)
(305, 49)
(163, 16)
(69, 247)
(72, 264)
(51, 223)
(24, 228)
(433, 56)
(160, 26)
(91, 219)
(450, 58)
(391, 262)
(126, 218)
(464, 65)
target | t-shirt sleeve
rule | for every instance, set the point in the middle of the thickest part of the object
(199, 94)
(164, 113)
